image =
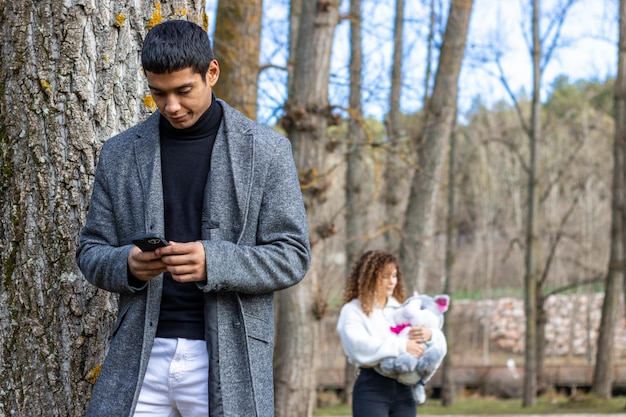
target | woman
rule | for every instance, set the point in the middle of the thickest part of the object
(373, 290)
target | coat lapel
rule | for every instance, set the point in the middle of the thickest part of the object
(148, 158)
(229, 184)
(230, 179)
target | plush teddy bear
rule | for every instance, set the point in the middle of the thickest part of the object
(418, 311)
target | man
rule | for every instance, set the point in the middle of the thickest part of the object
(195, 328)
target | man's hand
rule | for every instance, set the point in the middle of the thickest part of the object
(145, 265)
(185, 261)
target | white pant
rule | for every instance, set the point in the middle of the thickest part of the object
(176, 382)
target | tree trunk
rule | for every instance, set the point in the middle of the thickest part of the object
(396, 181)
(429, 52)
(531, 278)
(71, 77)
(359, 178)
(440, 115)
(237, 47)
(295, 13)
(447, 376)
(306, 120)
(542, 321)
(603, 371)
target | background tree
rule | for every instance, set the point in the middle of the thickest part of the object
(447, 366)
(545, 219)
(295, 12)
(441, 110)
(306, 120)
(531, 278)
(237, 46)
(71, 77)
(535, 270)
(360, 181)
(399, 149)
(603, 375)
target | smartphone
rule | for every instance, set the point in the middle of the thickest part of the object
(149, 243)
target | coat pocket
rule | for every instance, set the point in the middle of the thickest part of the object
(259, 329)
(121, 314)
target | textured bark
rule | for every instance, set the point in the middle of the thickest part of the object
(396, 180)
(447, 376)
(70, 77)
(236, 45)
(603, 374)
(295, 12)
(441, 111)
(531, 270)
(306, 121)
(360, 179)
(541, 343)
(359, 174)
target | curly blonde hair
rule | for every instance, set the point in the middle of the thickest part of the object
(365, 275)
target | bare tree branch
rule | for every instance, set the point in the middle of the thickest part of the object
(591, 281)
(562, 169)
(555, 242)
(514, 149)
(555, 25)
(507, 87)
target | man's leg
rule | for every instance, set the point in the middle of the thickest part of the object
(189, 378)
(154, 398)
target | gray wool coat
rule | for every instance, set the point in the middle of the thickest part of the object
(255, 234)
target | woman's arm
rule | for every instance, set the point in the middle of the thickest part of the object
(362, 340)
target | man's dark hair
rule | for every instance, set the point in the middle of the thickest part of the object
(175, 45)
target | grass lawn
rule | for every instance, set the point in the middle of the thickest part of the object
(495, 407)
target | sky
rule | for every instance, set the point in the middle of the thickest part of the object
(587, 46)
(587, 50)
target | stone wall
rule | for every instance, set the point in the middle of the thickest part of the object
(571, 330)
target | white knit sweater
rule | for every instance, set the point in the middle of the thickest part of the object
(366, 340)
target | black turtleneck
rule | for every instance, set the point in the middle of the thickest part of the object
(185, 166)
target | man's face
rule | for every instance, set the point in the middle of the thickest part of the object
(182, 96)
